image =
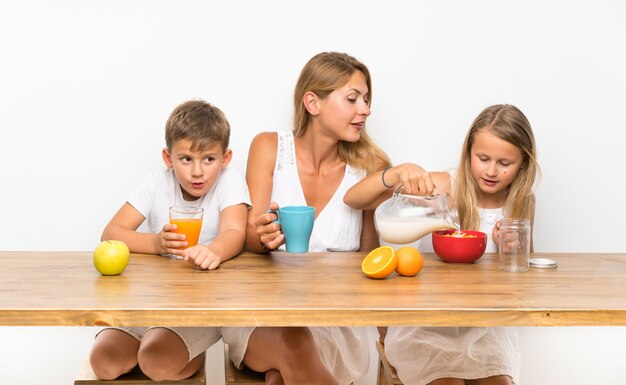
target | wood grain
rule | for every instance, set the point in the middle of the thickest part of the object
(315, 289)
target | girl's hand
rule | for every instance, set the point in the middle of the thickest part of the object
(171, 242)
(202, 256)
(268, 231)
(510, 242)
(415, 179)
(495, 234)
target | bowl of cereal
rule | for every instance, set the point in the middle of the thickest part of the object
(465, 246)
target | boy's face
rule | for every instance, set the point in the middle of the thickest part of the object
(196, 171)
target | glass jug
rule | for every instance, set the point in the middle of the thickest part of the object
(404, 219)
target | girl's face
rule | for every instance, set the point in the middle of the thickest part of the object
(494, 164)
(196, 171)
(344, 111)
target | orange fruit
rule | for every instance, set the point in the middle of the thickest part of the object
(380, 262)
(410, 261)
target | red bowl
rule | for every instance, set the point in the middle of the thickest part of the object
(459, 249)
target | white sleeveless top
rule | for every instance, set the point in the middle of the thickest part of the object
(337, 227)
(344, 350)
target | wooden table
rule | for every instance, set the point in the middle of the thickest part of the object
(63, 289)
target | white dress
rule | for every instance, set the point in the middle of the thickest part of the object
(424, 354)
(343, 350)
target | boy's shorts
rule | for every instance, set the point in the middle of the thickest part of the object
(196, 339)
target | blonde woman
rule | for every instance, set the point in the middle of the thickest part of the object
(327, 152)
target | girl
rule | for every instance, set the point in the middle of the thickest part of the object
(327, 152)
(495, 179)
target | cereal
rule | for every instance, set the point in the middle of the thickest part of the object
(456, 234)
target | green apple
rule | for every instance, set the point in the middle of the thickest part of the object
(111, 257)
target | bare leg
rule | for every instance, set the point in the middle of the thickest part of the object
(448, 381)
(382, 333)
(114, 353)
(495, 380)
(273, 377)
(164, 356)
(292, 351)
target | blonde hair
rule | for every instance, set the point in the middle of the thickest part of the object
(199, 122)
(324, 73)
(508, 123)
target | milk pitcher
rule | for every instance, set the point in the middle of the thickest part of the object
(404, 219)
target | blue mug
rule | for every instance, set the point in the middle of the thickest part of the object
(297, 224)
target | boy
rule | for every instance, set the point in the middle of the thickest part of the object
(196, 157)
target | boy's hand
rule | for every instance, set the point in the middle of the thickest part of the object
(268, 231)
(202, 256)
(170, 242)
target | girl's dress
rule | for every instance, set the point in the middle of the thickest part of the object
(424, 354)
(343, 350)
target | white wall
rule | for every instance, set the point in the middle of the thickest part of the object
(85, 89)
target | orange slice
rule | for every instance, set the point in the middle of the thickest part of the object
(380, 262)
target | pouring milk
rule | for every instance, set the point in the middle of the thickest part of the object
(404, 218)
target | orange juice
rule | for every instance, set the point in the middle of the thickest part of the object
(189, 227)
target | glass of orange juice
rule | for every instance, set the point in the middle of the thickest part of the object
(188, 221)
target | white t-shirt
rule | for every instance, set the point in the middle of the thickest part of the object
(160, 190)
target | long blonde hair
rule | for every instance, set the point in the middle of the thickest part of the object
(324, 73)
(508, 123)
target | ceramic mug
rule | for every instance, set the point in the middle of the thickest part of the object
(296, 223)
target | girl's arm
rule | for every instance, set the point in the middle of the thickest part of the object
(372, 190)
(123, 227)
(495, 232)
(259, 172)
(228, 243)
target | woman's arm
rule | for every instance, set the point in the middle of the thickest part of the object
(259, 173)
(532, 222)
(376, 188)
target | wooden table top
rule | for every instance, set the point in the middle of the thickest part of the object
(316, 289)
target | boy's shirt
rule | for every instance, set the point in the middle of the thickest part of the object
(160, 190)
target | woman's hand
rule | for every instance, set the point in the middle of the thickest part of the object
(268, 231)
(415, 179)
(171, 242)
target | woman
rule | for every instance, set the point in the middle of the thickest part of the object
(327, 152)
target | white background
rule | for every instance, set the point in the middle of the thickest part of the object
(86, 87)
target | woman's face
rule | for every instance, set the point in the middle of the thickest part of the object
(494, 164)
(344, 111)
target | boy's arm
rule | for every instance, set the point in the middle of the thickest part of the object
(123, 227)
(228, 243)
(232, 236)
